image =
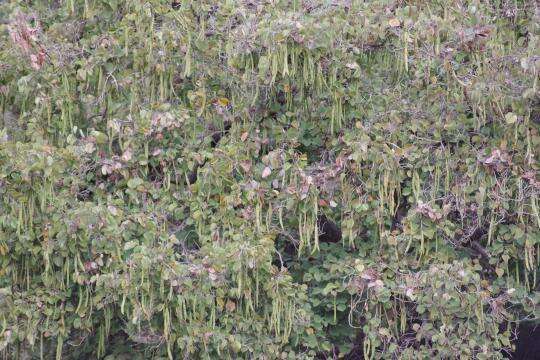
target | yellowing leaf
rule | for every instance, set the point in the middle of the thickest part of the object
(394, 22)
(510, 118)
(359, 266)
(220, 303)
(223, 101)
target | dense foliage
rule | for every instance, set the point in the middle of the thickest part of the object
(166, 169)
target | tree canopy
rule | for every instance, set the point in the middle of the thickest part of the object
(267, 179)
